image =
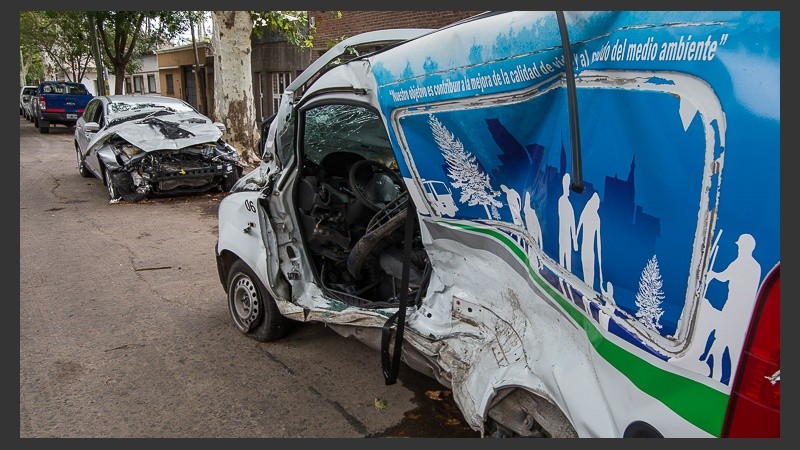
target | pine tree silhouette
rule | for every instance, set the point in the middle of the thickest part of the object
(650, 295)
(463, 169)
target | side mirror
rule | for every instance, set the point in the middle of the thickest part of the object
(221, 126)
(91, 127)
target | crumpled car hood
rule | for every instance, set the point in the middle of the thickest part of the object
(166, 132)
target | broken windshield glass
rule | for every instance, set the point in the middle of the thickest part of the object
(117, 107)
(345, 128)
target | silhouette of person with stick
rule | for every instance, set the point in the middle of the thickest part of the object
(743, 275)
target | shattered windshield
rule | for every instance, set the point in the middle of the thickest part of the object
(121, 107)
(120, 112)
(345, 128)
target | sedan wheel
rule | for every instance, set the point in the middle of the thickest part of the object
(82, 164)
(252, 308)
(112, 189)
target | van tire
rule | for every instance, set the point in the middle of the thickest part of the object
(44, 126)
(252, 308)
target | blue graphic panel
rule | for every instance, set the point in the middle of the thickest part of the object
(697, 132)
(637, 220)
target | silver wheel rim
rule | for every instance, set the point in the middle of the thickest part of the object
(111, 191)
(244, 302)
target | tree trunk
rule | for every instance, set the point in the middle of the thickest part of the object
(23, 69)
(200, 79)
(233, 82)
(119, 82)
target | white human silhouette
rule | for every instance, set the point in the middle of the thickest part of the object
(514, 204)
(589, 223)
(533, 227)
(730, 323)
(743, 275)
(567, 236)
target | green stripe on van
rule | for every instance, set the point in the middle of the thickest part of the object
(699, 404)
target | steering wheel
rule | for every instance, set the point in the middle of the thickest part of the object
(374, 184)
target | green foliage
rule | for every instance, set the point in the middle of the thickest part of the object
(292, 24)
(331, 43)
(125, 36)
(61, 35)
(34, 65)
(31, 63)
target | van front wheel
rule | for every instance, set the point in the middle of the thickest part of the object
(252, 308)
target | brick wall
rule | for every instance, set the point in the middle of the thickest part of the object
(330, 29)
(272, 54)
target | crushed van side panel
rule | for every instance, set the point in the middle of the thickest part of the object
(611, 288)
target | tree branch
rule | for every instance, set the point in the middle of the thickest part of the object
(104, 38)
(127, 55)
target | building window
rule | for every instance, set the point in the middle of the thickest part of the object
(128, 89)
(279, 82)
(151, 83)
(137, 84)
(170, 85)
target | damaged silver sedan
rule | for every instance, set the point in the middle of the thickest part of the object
(141, 146)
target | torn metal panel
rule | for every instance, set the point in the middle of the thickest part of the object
(548, 311)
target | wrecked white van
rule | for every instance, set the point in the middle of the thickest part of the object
(569, 218)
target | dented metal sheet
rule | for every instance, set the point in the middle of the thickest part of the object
(604, 311)
(146, 145)
(167, 131)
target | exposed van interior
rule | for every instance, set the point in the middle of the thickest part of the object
(352, 204)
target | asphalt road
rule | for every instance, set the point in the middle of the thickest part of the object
(124, 330)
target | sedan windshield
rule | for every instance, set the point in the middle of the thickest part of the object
(119, 107)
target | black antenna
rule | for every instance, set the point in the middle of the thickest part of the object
(575, 135)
